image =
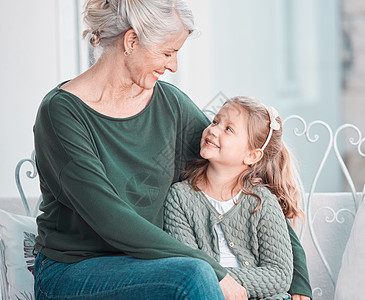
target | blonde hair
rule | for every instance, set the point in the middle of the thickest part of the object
(152, 20)
(275, 170)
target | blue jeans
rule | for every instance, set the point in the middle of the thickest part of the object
(125, 277)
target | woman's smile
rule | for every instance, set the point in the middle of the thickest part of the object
(157, 74)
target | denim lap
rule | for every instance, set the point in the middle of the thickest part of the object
(124, 277)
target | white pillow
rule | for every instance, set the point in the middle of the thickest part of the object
(350, 282)
(17, 235)
(3, 280)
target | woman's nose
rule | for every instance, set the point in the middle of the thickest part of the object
(172, 63)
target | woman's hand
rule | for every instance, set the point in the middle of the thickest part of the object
(298, 297)
(232, 290)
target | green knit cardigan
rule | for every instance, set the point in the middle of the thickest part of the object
(260, 241)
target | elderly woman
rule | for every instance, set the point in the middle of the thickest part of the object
(109, 144)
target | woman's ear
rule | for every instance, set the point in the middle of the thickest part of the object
(254, 156)
(130, 40)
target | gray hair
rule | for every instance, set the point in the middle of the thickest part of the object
(152, 20)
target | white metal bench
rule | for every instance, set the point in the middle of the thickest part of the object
(329, 216)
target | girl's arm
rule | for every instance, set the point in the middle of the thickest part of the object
(175, 221)
(274, 273)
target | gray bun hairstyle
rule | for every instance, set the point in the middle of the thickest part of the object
(152, 20)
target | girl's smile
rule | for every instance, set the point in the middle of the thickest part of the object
(209, 142)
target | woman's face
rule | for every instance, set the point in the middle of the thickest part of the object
(147, 64)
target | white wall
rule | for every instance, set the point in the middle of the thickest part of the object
(291, 61)
(28, 60)
(35, 45)
(286, 53)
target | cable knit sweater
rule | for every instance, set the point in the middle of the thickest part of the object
(260, 241)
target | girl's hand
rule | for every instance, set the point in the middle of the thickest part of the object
(232, 290)
(299, 297)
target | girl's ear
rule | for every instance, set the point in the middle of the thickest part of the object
(254, 156)
(130, 40)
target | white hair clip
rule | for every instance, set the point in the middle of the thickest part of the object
(274, 125)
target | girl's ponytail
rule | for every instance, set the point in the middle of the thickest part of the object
(283, 181)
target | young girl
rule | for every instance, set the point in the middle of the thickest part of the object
(232, 202)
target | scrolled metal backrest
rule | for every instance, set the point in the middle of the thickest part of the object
(359, 142)
(32, 175)
(311, 214)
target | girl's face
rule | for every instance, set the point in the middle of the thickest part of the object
(147, 64)
(225, 140)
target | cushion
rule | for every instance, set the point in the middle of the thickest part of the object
(17, 234)
(3, 280)
(350, 282)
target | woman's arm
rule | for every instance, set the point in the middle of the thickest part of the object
(300, 283)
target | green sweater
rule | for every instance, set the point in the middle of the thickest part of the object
(259, 241)
(104, 179)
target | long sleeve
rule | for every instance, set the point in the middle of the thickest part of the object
(90, 205)
(176, 223)
(300, 283)
(273, 273)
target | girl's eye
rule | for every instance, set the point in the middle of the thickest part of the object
(214, 122)
(229, 129)
(167, 55)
